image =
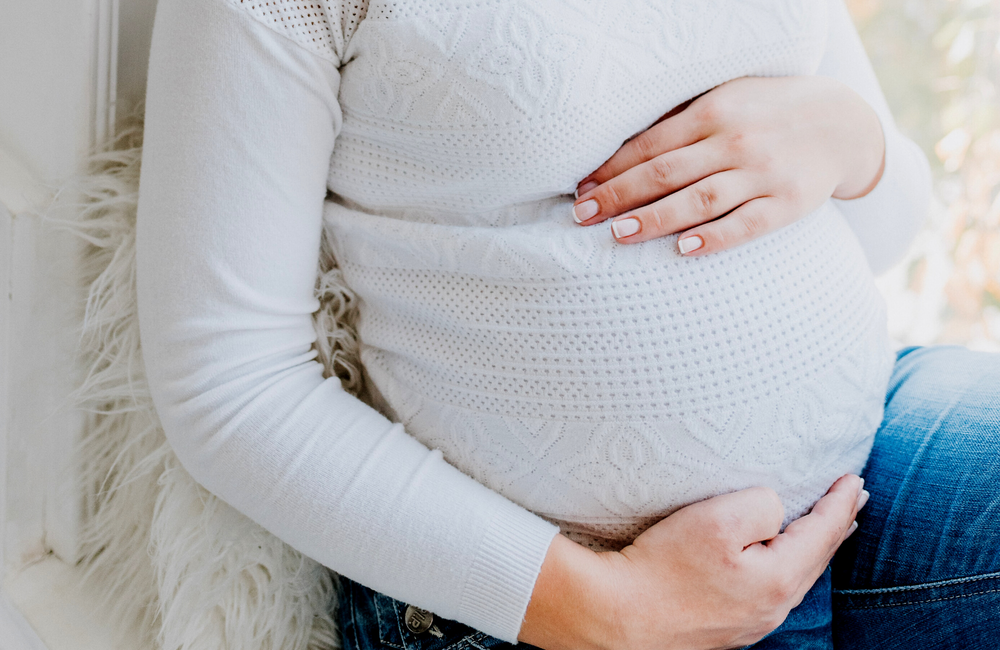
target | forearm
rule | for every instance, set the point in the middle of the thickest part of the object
(240, 126)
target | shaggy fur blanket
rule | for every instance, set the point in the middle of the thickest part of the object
(178, 566)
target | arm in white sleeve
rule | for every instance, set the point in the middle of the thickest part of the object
(240, 126)
(887, 218)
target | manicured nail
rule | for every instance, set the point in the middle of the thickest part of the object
(862, 499)
(586, 210)
(689, 244)
(586, 187)
(862, 486)
(850, 531)
(625, 227)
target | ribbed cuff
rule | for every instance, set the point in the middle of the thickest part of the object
(503, 573)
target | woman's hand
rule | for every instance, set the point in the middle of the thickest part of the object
(715, 574)
(758, 152)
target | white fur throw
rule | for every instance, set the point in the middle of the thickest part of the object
(178, 566)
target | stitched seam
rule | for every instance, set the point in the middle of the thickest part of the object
(354, 621)
(332, 58)
(927, 585)
(923, 602)
(391, 617)
(399, 614)
(472, 638)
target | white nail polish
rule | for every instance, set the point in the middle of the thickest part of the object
(625, 227)
(854, 527)
(689, 244)
(586, 210)
(862, 499)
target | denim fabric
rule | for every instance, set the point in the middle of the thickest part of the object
(922, 570)
(808, 626)
(369, 620)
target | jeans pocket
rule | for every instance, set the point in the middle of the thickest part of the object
(371, 620)
(958, 614)
(922, 595)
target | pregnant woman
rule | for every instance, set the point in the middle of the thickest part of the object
(584, 435)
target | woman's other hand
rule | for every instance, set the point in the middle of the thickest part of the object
(716, 574)
(758, 152)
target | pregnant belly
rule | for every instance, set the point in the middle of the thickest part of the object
(604, 386)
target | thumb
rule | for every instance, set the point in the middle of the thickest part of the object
(810, 541)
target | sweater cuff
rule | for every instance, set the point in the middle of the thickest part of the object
(504, 570)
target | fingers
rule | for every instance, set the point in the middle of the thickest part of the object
(745, 517)
(647, 182)
(807, 544)
(696, 204)
(793, 561)
(747, 222)
(675, 132)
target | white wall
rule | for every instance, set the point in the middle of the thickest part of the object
(48, 74)
(55, 83)
(65, 68)
(134, 33)
(69, 69)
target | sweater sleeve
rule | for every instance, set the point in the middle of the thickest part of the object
(887, 218)
(241, 122)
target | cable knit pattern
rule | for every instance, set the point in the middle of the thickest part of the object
(578, 382)
(461, 108)
(602, 386)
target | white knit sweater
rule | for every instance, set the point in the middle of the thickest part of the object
(543, 372)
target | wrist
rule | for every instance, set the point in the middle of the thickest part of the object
(571, 607)
(866, 164)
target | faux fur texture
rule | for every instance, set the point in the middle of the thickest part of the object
(178, 566)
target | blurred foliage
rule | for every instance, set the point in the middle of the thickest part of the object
(939, 64)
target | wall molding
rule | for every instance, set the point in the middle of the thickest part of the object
(105, 93)
(40, 509)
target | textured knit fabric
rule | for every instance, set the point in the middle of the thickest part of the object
(529, 370)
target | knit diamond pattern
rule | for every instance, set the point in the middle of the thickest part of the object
(602, 386)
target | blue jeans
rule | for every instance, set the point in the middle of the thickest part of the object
(921, 572)
(923, 568)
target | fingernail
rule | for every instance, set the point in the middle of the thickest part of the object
(862, 499)
(850, 531)
(586, 187)
(862, 486)
(586, 210)
(625, 227)
(689, 244)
